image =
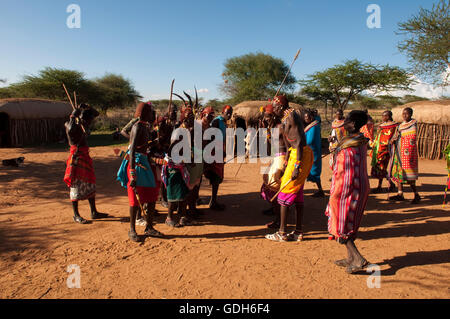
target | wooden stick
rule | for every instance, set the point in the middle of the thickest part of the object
(171, 94)
(139, 201)
(70, 100)
(75, 99)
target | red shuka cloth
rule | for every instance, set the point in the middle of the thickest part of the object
(146, 194)
(79, 166)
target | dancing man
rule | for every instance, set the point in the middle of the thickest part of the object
(298, 163)
(80, 175)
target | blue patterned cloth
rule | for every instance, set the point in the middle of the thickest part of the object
(144, 172)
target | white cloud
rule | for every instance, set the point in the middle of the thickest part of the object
(421, 89)
(205, 90)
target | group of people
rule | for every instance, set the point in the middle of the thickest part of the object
(149, 171)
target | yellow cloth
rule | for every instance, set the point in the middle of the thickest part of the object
(305, 167)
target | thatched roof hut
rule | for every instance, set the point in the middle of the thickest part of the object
(31, 121)
(433, 119)
(250, 111)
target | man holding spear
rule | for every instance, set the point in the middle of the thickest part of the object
(298, 163)
(80, 175)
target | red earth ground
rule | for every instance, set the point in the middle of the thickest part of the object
(225, 255)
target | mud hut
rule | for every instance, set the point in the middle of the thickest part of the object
(433, 119)
(249, 112)
(32, 121)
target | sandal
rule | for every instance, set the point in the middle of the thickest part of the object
(97, 215)
(80, 220)
(278, 237)
(151, 232)
(184, 221)
(141, 222)
(295, 236)
(133, 236)
(342, 263)
(352, 269)
(170, 222)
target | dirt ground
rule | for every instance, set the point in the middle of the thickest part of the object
(224, 256)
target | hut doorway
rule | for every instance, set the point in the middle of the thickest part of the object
(5, 138)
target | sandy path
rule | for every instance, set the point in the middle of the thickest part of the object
(224, 256)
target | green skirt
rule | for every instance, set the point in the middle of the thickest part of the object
(177, 190)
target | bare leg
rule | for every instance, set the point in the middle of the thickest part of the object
(283, 219)
(94, 213)
(149, 230)
(76, 214)
(132, 233)
(417, 198)
(169, 219)
(399, 196)
(380, 184)
(275, 223)
(184, 220)
(213, 204)
(320, 192)
(299, 225)
(357, 261)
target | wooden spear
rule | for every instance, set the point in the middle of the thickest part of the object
(289, 71)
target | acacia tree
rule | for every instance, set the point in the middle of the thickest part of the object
(108, 91)
(116, 91)
(254, 76)
(317, 94)
(345, 81)
(427, 42)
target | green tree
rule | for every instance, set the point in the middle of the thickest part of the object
(115, 91)
(254, 76)
(427, 42)
(345, 81)
(108, 91)
(47, 84)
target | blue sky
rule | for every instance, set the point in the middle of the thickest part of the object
(151, 42)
